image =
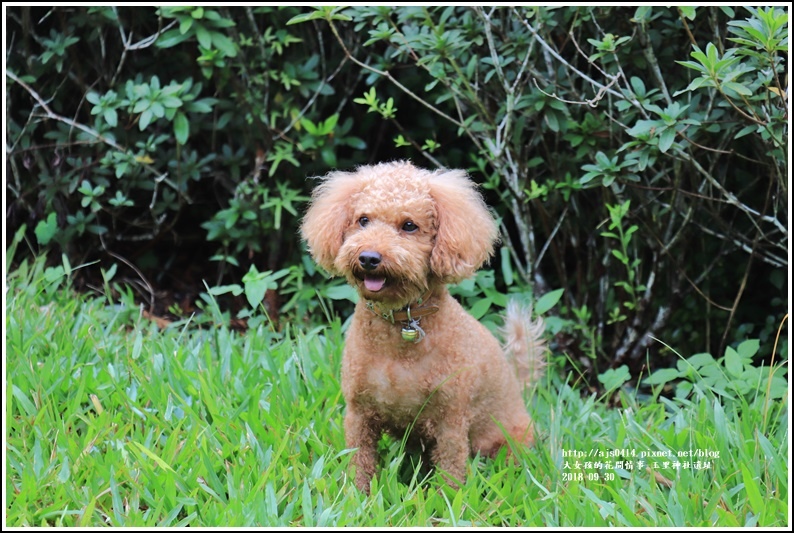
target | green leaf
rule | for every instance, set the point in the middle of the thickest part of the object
(64, 473)
(728, 11)
(748, 349)
(111, 117)
(141, 105)
(614, 378)
(341, 292)
(552, 122)
(46, 229)
(661, 376)
(700, 360)
(120, 200)
(688, 11)
(666, 139)
(752, 490)
(121, 168)
(235, 289)
(181, 128)
(24, 401)
(171, 38)
(507, 266)
(481, 307)
(157, 109)
(697, 83)
(711, 55)
(603, 160)
(357, 143)
(154, 457)
(224, 44)
(329, 124)
(738, 88)
(146, 119)
(185, 25)
(621, 256)
(203, 105)
(548, 300)
(328, 155)
(778, 388)
(695, 66)
(88, 512)
(643, 13)
(168, 101)
(733, 363)
(309, 126)
(203, 36)
(306, 17)
(701, 58)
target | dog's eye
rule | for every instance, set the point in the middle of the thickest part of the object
(363, 221)
(410, 227)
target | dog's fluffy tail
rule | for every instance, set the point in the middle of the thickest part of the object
(524, 345)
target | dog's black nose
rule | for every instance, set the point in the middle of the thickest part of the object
(369, 260)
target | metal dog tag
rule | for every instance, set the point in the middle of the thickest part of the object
(412, 332)
(409, 334)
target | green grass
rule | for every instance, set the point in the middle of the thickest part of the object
(110, 422)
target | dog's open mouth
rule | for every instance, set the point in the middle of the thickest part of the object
(374, 283)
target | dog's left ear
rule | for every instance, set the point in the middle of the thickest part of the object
(466, 230)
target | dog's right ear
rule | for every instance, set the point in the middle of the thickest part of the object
(327, 218)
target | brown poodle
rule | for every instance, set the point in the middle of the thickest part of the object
(414, 359)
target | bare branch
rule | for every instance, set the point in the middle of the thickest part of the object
(592, 102)
(391, 78)
(55, 116)
(730, 197)
(558, 57)
(49, 113)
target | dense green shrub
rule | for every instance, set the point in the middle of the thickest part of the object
(637, 157)
(131, 128)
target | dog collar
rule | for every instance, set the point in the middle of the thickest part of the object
(409, 317)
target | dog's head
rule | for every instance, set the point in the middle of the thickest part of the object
(394, 230)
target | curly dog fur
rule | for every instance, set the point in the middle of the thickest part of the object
(414, 359)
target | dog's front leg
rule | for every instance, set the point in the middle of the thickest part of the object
(362, 432)
(452, 451)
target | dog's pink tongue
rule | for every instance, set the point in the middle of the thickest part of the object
(374, 284)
